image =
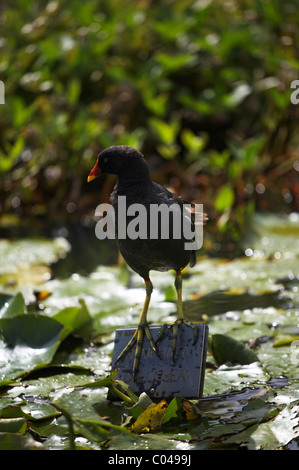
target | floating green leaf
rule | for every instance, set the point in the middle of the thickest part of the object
(226, 349)
(14, 425)
(80, 405)
(28, 342)
(11, 306)
(11, 441)
(73, 317)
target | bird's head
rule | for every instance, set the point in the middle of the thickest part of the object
(117, 160)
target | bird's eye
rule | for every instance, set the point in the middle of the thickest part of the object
(105, 160)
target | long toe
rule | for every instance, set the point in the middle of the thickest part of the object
(138, 338)
(175, 327)
(128, 347)
(142, 328)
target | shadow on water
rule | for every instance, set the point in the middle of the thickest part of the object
(216, 303)
(227, 404)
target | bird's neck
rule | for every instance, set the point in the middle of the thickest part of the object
(134, 179)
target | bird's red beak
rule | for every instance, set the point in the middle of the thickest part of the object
(95, 172)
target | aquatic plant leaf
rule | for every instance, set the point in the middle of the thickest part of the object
(227, 349)
(190, 409)
(28, 342)
(15, 425)
(12, 441)
(11, 306)
(151, 418)
(83, 407)
(174, 410)
(274, 433)
(73, 317)
(29, 252)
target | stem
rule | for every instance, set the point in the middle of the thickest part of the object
(122, 396)
(69, 423)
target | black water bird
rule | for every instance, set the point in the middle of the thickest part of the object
(147, 252)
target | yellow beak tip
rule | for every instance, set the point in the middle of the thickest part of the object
(90, 178)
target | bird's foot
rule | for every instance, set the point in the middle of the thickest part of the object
(175, 326)
(137, 338)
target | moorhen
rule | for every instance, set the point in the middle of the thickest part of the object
(145, 254)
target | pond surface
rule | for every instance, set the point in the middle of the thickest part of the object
(57, 328)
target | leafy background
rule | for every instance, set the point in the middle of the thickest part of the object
(203, 89)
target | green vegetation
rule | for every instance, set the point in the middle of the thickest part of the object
(203, 88)
(199, 86)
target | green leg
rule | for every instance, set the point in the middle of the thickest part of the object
(139, 333)
(180, 318)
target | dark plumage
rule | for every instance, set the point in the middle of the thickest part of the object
(144, 255)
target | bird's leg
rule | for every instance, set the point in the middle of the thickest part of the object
(139, 333)
(180, 317)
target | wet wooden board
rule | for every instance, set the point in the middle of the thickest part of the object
(164, 377)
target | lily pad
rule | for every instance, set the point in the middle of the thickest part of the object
(28, 342)
(15, 425)
(273, 434)
(29, 252)
(26, 263)
(229, 350)
(11, 305)
(9, 441)
(80, 406)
